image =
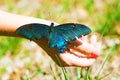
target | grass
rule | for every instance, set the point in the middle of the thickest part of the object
(103, 64)
(9, 45)
(106, 58)
(79, 75)
(102, 17)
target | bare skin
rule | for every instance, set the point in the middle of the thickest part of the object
(83, 54)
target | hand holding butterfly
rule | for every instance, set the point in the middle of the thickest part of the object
(79, 53)
(82, 52)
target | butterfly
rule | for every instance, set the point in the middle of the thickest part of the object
(58, 36)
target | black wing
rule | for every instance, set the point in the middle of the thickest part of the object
(70, 31)
(33, 31)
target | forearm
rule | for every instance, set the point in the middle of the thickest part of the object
(10, 22)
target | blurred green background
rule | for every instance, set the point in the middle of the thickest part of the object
(21, 59)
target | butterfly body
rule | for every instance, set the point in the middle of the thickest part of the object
(58, 36)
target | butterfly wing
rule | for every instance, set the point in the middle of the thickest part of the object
(58, 36)
(56, 39)
(70, 31)
(33, 31)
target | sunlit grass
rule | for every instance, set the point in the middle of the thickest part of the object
(10, 45)
(103, 64)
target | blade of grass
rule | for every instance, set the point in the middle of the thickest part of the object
(105, 76)
(106, 58)
(66, 75)
(87, 75)
(79, 73)
(55, 78)
(103, 32)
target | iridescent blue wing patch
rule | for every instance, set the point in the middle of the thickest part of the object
(56, 39)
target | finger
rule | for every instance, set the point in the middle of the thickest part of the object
(72, 60)
(84, 38)
(98, 48)
(82, 55)
(83, 62)
(94, 38)
(78, 41)
(81, 40)
(98, 45)
(76, 53)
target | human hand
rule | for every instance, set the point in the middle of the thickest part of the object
(81, 52)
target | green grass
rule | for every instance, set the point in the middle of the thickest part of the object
(9, 45)
(79, 75)
(105, 60)
(2, 70)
